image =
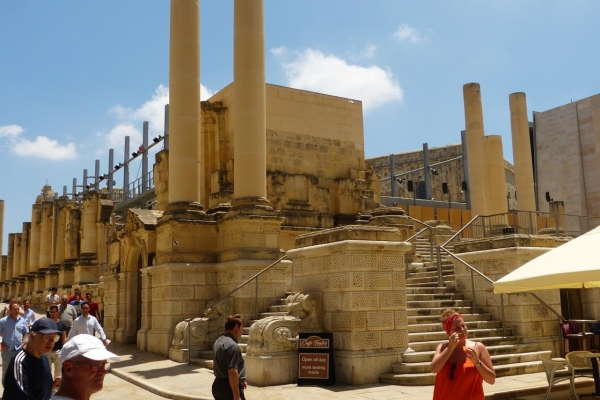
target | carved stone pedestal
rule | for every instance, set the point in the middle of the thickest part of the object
(272, 369)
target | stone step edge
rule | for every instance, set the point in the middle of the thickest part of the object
(493, 357)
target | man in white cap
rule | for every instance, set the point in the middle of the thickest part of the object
(28, 376)
(85, 363)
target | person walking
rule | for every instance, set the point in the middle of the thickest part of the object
(14, 332)
(28, 313)
(86, 325)
(77, 302)
(93, 307)
(54, 355)
(6, 310)
(85, 363)
(66, 312)
(51, 298)
(28, 376)
(461, 365)
(228, 365)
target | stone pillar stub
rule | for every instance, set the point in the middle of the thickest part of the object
(1, 226)
(495, 193)
(474, 132)
(249, 100)
(16, 264)
(34, 239)
(7, 270)
(185, 146)
(25, 243)
(360, 271)
(521, 145)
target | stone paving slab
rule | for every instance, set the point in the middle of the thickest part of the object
(177, 381)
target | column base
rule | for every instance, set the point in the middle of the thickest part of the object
(272, 369)
(361, 367)
(85, 274)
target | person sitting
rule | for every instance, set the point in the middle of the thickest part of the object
(461, 365)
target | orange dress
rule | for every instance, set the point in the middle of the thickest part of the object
(466, 385)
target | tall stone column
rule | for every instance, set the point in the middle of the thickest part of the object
(1, 226)
(34, 238)
(86, 268)
(522, 152)
(25, 243)
(16, 264)
(185, 164)
(249, 100)
(45, 245)
(8, 272)
(495, 193)
(72, 216)
(474, 132)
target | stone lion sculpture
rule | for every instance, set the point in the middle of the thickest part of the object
(204, 331)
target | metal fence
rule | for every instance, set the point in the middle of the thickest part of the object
(135, 188)
(528, 223)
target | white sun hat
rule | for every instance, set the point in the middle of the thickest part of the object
(87, 346)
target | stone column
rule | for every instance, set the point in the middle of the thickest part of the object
(16, 263)
(34, 238)
(45, 245)
(7, 274)
(1, 226)
(185, 165)
(25, 243)
(474, 132)
(72, 215)
(86, 268)
(249, 114)
(495, 193)
(522, 152)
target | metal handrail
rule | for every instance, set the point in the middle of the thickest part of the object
(214, 303)
(474, 270)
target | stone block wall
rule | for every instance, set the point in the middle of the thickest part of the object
(451, 173)
(567, 157)
(523, 313)
(363, 289)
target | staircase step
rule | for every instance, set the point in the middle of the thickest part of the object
(421, 379)
(428, 290)
(446, 303)
(278, 308)
(501, 359)
(435, 318)
(272, 314)
(437, 311)
(427, 356)
(488, 341)
(433, 296)
(442, 336)
(437, 327)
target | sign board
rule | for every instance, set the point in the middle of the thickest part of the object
(315, 359)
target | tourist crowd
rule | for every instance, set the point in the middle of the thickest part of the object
(57, 357)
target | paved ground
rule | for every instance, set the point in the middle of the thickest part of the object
(142, 375)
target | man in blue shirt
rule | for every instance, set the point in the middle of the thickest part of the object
(28, 375)
(28, 313)
(14, 331)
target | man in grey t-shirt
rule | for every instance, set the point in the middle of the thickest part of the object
(228, 364)
(66, 312)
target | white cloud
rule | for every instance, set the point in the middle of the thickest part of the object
(369, 51)
(312, 70)
(44, 148)
(279, 51)
(408, 33)
(10, 131)
(152, 111)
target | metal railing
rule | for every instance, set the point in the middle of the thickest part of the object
(135, 189)
(473, 270)
(247, 281)
(527, 223)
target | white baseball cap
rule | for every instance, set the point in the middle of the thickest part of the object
(88, 346)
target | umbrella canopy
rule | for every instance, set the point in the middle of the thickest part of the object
(573, 265)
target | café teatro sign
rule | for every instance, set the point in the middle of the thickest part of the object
(315, 359)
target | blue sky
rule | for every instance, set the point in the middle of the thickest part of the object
(76, 77)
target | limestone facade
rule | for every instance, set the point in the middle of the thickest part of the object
(523, 313)
(360, 271)
(451, 173)
(567, 157)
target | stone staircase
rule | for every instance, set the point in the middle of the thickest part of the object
(205, 357)
(425, 303)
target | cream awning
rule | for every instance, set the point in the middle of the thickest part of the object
(573, 265)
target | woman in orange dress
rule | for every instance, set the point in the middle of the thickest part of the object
(461, 365)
